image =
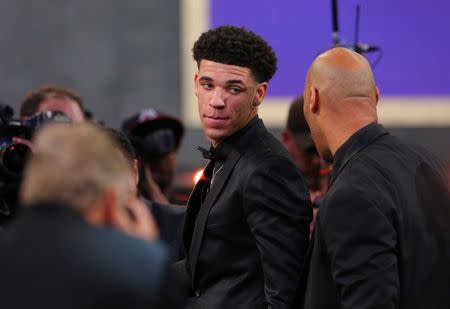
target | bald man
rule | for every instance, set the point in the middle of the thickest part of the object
(381, 238)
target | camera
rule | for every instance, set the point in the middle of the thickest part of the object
(13, 155)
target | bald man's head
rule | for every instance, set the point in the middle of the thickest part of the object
(340, 97)
(340, 74)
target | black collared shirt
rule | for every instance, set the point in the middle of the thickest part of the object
(219, 154)
(353, 145)
(225, 147)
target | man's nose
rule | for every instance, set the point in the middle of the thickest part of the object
(217, 99)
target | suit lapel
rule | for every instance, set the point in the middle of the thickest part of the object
(203, 213)
(198, 222)
(193, 207)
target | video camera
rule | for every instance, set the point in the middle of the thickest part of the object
(13, 155)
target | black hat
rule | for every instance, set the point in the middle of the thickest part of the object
(152, 129)
(122, 141)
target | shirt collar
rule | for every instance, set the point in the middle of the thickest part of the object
(221, 152)
(226, 146)
(354, 144)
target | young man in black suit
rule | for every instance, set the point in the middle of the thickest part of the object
(381, 238)
(246, 227)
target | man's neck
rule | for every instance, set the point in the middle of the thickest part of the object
(253, 119)
(338, 135)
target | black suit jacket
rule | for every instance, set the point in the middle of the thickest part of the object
(169, 219)
(381, 239)
(51, 258)
(246, 243)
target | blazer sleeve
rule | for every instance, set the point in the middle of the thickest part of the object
(278, 213)
(361, 242)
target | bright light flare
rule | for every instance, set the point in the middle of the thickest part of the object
(198, 174)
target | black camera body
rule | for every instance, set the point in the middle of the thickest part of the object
(13, 155)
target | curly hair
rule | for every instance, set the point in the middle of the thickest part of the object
(237, 46)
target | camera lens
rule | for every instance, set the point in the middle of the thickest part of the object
(13, 159)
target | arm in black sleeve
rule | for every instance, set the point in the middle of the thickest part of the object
(278, 211)
(361, 242)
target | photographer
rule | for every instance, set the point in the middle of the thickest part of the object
(156, 138)
(55, 99)
(15, 145)
(91, 242)
(169, 218)
(44, 104)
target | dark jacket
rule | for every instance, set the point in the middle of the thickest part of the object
(169, 219)
(381, 239)
(51, 258)
(246, 242)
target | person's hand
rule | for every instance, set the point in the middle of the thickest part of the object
(140, 222)
(152, 189)
(18, 140)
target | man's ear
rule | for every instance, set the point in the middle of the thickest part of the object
(103, 212)
(261, 90)
(108, 205)
(313, 100)
(285, 137)
(196, 84)
(135, 170)
(377, 96)
(112, 212)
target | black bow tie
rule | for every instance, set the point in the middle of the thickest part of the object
(207, 154)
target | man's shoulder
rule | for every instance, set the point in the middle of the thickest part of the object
(392, 148)
(113, 245)
(84, 251)
(262, 145)
(381, 154)
(388, 159)
(378, 173)
(262, 153)
(70, 234)
(110, 255)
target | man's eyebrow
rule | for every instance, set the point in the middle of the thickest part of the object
(206, 78)
(235, 81)
(228, 82)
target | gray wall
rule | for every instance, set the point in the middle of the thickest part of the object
(119, 55)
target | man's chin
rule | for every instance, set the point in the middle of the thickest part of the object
(326, 156)
(215, 135)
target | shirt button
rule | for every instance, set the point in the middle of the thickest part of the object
(197, 293)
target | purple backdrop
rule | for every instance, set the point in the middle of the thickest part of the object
(414, 36)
